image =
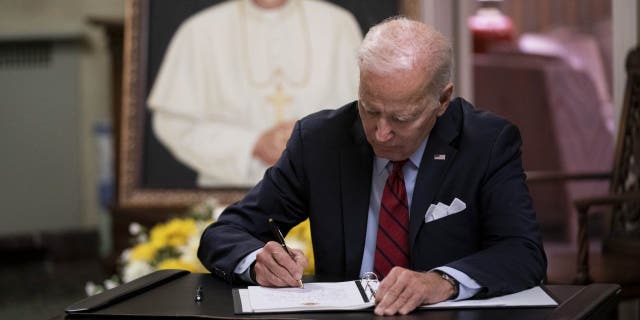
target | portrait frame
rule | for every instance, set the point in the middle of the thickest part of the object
(133, 126)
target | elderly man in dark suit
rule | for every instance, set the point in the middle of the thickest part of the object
(422, 189)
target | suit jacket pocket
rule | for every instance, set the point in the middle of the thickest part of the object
(445, 240)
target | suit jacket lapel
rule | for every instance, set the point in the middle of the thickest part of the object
(356, 165)
(436, 160)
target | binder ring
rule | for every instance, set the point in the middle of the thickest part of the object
(369, 277)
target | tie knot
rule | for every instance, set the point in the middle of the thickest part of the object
(397, 165)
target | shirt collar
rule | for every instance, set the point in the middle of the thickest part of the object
(380, 164)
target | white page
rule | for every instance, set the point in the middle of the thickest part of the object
(314, 296)
(534, 297)
(244, 299)
(346, 296)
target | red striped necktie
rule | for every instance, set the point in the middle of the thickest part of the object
(392, 243)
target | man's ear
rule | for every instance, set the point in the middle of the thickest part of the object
(445, 98)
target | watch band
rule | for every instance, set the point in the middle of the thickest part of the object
(252, 272)
(454, 283)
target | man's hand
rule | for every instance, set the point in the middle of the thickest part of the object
(275, 268)
(403, 290)
(272, 142)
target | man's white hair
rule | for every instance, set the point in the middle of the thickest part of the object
(401, 44)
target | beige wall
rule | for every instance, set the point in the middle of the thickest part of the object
(446, 17)
(51, 19)
(55, 10)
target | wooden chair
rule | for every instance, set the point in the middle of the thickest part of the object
(618, 261)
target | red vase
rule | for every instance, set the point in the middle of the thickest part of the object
(489, 27)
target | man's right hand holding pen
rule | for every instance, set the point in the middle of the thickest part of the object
(274, 267)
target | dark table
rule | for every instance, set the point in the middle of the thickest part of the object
(175, 299)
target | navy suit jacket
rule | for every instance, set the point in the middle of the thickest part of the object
(325, 174)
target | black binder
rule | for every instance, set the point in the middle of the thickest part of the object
(124, 291)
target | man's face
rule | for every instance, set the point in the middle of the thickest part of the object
(397, 113)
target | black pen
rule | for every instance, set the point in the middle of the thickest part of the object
(198, 297)
(278, 235)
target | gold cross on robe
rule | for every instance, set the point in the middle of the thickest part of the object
(279, 100)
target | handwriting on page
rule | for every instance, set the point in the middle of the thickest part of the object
(314, 295)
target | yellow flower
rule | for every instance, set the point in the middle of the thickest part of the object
(300, 237)
(143, 252)
(179, 264)
(174, 233)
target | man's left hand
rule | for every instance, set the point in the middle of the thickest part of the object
(403, 290)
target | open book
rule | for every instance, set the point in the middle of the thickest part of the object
(358, 295)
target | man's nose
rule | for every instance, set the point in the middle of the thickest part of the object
(383, 131)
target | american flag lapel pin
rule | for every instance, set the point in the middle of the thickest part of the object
(440, 156)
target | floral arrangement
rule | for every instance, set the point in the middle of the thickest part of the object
(170, 245)
(174, 245)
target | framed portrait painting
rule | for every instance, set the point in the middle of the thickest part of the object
(158, 161)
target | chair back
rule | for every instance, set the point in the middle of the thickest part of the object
(624, 235)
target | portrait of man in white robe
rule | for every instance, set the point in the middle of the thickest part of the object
(237, 75)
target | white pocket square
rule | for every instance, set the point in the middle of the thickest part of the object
(441, 210)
